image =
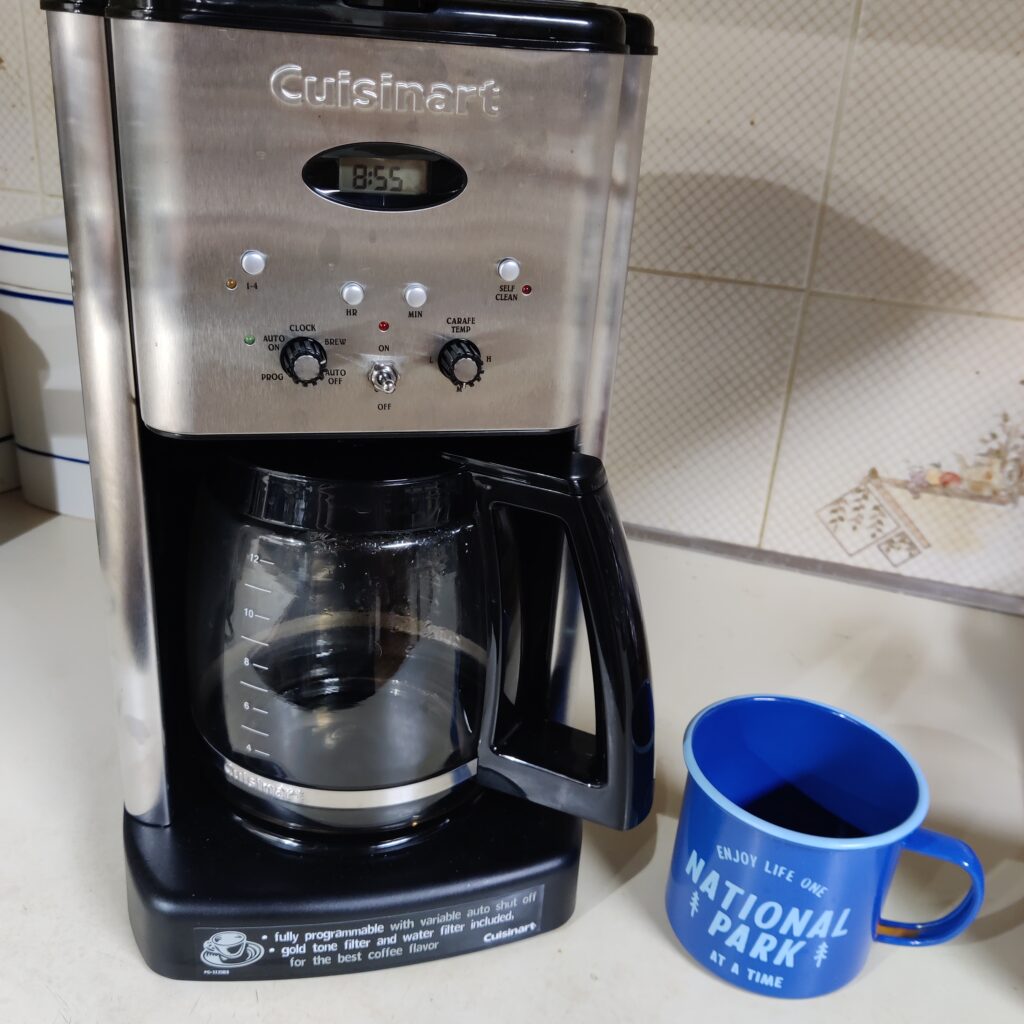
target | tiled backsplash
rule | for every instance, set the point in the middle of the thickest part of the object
(823, 351)
(29, 169)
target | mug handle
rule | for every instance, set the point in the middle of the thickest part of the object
(929, 933)
(622, 795)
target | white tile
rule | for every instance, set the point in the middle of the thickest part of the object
(37, 51)
(698, 397)
(927, 195)
(18, 168)
(884, 399)
(742, 109)
(18, 206)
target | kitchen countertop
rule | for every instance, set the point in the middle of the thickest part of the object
(945, 681)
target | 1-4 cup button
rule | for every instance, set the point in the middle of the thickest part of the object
(415, 295)
(254, 262)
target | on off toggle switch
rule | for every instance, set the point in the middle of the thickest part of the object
(253, 262)
(415, 295)
(384, 377)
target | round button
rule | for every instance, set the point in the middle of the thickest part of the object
(415, 295)
(254, 262)
(509, 269)
(353, 292)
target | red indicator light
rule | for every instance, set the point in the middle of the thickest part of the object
(527, 288)
(383, 326)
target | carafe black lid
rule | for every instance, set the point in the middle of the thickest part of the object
(522, 24)
(400, 496)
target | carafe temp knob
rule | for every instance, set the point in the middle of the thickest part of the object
(304, 360)
(460, 361)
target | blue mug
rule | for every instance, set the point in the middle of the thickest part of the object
(794, 817)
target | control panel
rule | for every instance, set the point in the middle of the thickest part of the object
(311, 268)
(305, 361)
(336, 356)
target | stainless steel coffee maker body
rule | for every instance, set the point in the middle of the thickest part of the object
(213, 152)
(305, 240)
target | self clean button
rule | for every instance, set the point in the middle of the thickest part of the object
(254, 262)
(509, 269)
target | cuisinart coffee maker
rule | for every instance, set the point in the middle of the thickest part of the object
(348, 279)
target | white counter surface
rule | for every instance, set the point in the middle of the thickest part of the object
(948, 682)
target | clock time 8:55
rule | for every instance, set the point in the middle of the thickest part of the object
(355, 175)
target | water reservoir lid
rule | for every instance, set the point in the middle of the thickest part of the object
(521, 24)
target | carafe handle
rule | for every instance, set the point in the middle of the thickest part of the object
(608, 779)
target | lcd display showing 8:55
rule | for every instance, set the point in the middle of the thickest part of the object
(356, 174)
(384, 176)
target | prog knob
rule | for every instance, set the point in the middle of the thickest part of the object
(304, 360)
(460, 361)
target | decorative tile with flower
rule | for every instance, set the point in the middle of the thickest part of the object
(869, 516)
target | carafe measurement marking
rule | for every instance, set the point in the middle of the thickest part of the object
(251, 611)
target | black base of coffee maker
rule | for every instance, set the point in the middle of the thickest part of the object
(210, 898)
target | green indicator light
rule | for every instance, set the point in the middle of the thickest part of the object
(250, 339)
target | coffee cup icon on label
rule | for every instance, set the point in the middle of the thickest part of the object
(230, 948)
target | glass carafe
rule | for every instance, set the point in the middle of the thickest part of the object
(348, 639)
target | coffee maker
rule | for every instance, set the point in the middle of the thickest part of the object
(348, 279)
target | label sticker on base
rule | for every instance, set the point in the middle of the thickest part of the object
(366, 944)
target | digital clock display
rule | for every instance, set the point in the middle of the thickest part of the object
(362, 174)
(387, 177)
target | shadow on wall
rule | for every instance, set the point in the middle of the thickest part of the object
(47, 414)
(29, 373)
(730, 351)
(693, 213)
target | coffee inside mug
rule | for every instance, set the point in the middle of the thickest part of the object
(805, 767)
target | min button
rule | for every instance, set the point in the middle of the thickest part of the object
(415, 295)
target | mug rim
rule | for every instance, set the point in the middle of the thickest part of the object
(894, 835)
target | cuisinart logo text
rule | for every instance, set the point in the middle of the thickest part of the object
(386, 93)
